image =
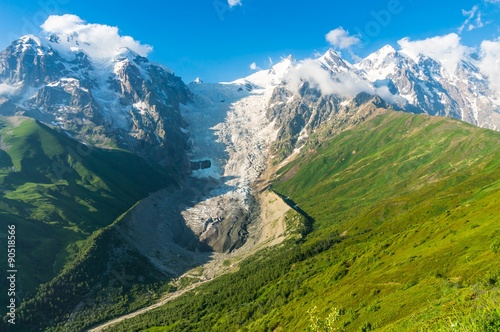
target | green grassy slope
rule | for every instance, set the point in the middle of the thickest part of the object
(406, 236)
(58, 191)
(106, 278)
(417, 199)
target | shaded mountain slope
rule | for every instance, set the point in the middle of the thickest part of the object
(58, 191)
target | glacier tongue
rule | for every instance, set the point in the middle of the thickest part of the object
(227, 126)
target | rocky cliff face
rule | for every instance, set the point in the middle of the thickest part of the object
(299, 117)
(123, 101)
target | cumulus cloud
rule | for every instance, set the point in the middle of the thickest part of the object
(473, 19)
(341, 39)
(489, 63)
(97, 40)
(233, 3)
(342, 84)
(446, 49)
(492, 1)
(253, 66)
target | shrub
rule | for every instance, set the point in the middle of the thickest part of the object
(324, 325)
(495, 246)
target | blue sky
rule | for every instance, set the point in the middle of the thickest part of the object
(210, 39)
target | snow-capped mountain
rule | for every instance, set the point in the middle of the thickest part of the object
(434, 88)
(118, 99)
(238, 128)
(330, 89)
(301, 96)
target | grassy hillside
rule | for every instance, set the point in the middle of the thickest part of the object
(58, 191)
(105, 278)
(406, 237)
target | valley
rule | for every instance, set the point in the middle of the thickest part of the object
(314, 194)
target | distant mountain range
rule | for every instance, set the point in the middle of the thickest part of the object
(312, 91)
(124, 100)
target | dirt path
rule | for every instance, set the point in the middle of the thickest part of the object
(170, 297)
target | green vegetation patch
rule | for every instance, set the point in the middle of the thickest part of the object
(58, 192)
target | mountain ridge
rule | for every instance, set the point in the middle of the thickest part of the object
(123, 100)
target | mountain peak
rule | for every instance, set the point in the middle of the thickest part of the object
(334, 61)
(197, 81)
(28, 43)
(30, 39)
(279, 70)
(381, 55)
(332, 53)
(284, 64)
(270, 77)
(387, 49)
(124, 53)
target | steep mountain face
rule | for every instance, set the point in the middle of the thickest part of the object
(309, 93)
(237, 128)
(230, 135)
(428, 86)
(123, 100)
(297, 114)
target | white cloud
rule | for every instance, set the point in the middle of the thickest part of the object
(342, 84)
(341, 38)
(253, 66)
(492, 1)
(473, 19)
(7, 90)
(489, 63)
(233, 3)
(446, 49)
(479, 22)
(387, 95)
(97, 40)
